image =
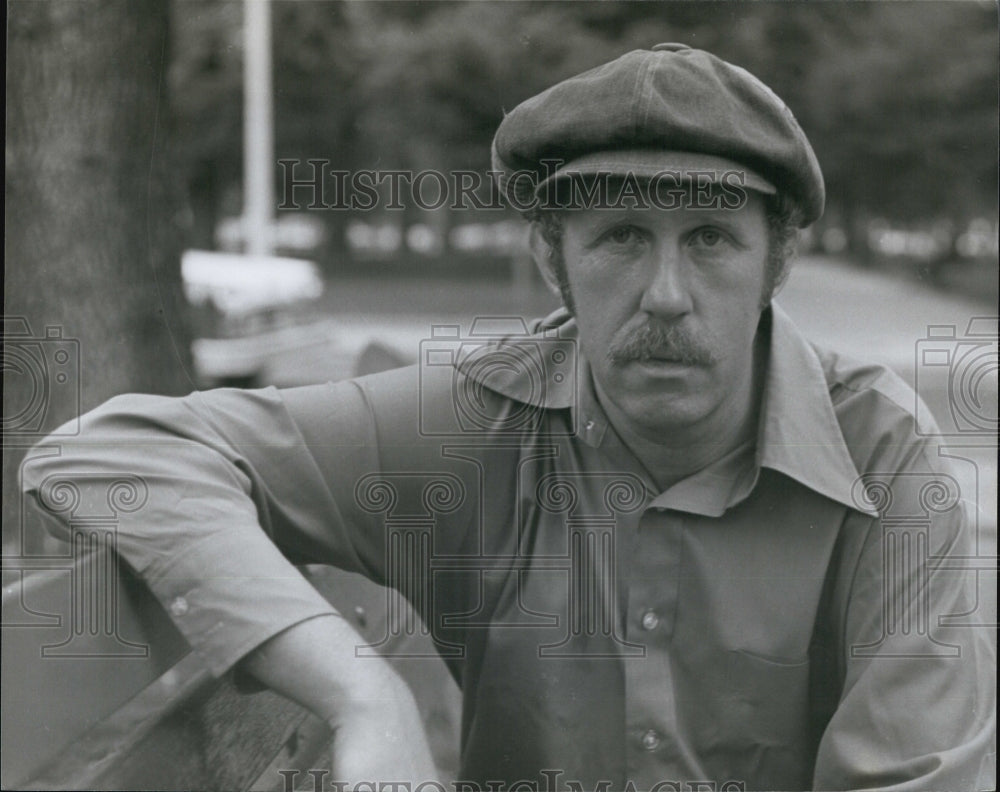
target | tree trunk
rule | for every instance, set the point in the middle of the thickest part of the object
(93, 305)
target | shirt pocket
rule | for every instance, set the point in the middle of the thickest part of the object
(760, 731)
(768, 697)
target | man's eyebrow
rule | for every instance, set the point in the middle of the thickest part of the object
(605, 220)
(721, 217)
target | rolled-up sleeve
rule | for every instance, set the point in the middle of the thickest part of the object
(917, 709)
(231, 488)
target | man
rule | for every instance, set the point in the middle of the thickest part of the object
(646, 537)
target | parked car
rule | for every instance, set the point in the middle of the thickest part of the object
(248, 310)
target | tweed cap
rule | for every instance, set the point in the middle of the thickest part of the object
(671, 108)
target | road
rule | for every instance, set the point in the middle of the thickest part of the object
(871, 315)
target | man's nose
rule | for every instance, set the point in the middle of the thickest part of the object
(667, 295)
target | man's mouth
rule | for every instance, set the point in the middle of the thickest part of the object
(664, 361)
(665, 357)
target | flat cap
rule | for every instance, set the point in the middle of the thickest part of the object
(671, 108)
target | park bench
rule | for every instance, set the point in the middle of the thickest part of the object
(102, 692)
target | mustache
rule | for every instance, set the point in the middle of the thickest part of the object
(654, 341)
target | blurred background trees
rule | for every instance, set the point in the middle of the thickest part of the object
(899, 99)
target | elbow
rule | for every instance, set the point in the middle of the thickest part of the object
(87, 469)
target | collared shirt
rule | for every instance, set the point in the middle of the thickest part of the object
(769, 622)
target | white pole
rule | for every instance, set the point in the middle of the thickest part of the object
(258, 133)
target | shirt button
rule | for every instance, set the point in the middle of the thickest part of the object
(650, 621)
(178, 606)
(590, 425)
(651, 740)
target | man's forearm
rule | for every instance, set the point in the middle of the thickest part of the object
(314, 664)
(379, 735)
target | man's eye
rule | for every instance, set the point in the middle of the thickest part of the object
(622, 235)
(707, 237)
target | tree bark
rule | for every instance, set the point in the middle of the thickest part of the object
(93, 305)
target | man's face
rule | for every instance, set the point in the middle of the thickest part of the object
(667, 303)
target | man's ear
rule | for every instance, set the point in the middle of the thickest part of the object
(541, 252)
(790, 252)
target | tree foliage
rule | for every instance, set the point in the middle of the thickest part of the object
(899, 99)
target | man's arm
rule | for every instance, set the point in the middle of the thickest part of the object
(233, 488)
(378, 734)
(917, 710)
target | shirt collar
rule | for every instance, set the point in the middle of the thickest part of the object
(799, 434)
(540, 368)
